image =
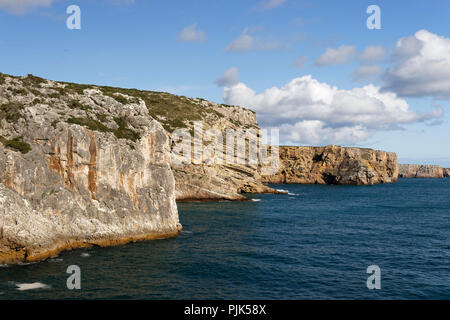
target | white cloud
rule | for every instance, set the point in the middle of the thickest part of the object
(373, 54)
(192, 34)
(300, 62)
(23, 6)
(341, 55)
(269, 4)
(229, 78)
(366, 72)
(246, 42)
(243, 43)
(310, 112)
(421, 67)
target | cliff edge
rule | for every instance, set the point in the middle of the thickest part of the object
(334, 165)
(421, 171)
(79, 166)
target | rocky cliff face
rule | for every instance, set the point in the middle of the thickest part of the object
(447, 173)
(420, 171)
(199, 174)
(79, 166)
(334, 165)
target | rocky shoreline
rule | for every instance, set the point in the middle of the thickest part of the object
(422, 171)
(86, 165)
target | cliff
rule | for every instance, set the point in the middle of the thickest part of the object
(211, 168)
(334, 165)
(79, 166)
(420, 171)
(446, 172)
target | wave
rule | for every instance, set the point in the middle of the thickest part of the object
(85, 255)
(256, 200)
(31, 286)
(287, 191)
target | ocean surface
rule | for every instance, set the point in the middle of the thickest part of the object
(315, 243)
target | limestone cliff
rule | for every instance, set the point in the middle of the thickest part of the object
(334, 165)
(420, 171)
(200, 176)
(79, 166)
(447, 172)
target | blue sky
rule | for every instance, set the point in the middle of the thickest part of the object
(184, 46)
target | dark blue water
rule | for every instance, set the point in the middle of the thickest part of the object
(314, 244)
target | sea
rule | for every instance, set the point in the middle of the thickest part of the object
(316, 242)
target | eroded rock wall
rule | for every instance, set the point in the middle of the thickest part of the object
(420, 171)
(202, 177)
(334, 165)
(78, 168)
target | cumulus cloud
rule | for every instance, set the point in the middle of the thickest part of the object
(192, 34)
(229, 78)
(23, 6)
(269, 4)
(373, 54)
(311, 112)
(366, 72)
(421, 67)
(341, 55)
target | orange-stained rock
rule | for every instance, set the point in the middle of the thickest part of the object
(334, 165)
(82, 183)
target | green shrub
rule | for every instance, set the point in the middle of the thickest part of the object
(36, 101)
(74, 104)
(35, 92)
(33, 81)
(102, 117)
(77, 88)
(20, 91)
(92, 124)
(123, 132)
(16, 144)
(11, 111)
(54, 95)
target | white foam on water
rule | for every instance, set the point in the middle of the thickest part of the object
(256, 200)
(31, 286)
(185, 231)
(26, 263)
(85, 255)
(292, 194)
(55, 260)
(282, 190)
